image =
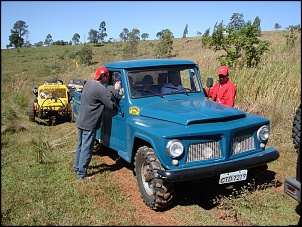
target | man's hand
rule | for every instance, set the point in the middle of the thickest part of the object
(118, 85)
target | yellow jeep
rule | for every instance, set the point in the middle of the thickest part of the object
(52, 102)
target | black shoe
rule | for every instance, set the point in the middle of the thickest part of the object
(86, 176)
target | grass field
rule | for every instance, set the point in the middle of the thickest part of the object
(46, 193)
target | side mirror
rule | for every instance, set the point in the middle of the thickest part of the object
(209, 82)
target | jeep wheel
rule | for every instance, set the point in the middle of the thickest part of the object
(31, 111)
(156, 193)
(296, 130)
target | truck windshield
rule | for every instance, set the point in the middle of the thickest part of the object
(146, 83)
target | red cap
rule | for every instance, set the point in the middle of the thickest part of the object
(223, 70)
(100, 71)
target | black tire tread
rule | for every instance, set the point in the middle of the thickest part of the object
(162, 191)
(296, 130)
(31, 111)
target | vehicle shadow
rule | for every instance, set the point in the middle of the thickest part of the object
(48, 123)
(206, 193)
(112, 154)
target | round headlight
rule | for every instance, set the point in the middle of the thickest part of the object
(174, 148)
(263, 133)
(207, 153)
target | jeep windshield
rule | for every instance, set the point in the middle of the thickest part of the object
(163, 81)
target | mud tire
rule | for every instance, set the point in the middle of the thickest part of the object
(156, 193)
(296, 130)
(31, 111)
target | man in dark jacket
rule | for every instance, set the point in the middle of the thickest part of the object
(93, 100)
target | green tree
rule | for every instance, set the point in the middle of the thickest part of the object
(184, 35)
(236, 21)
(256, 23)
(39, 44)
(76, 38)
(205, 36)
(124, 34)
(292, 36)
(60, 43)
(145, 36)
(102, 33)
(277, 26)
(134, 35)
(165, 46)
(19, 30)
(160, 34)
(48, 41)
(130, 50)
(295, 27)
(238, 43)
(27, 44)
(15, 40)
(93, 36)
(85, 54)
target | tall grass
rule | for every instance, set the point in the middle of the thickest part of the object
(37, 185)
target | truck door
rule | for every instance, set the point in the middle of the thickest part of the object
(113, 127)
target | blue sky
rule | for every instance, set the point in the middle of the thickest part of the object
(62, 19)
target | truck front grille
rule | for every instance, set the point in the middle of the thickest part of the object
(203, 151)
(242, 143)
(211, 149)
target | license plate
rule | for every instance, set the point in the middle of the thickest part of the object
(233, 176)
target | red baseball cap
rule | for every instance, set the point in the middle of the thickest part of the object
(223, 70)
(100, 71)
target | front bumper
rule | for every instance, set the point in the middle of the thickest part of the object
(248, 162)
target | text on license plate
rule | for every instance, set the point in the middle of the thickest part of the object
(233, 176)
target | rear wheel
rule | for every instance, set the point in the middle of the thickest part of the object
(31, 111)
(156, 193)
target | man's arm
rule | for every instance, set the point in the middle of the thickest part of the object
(106, 100)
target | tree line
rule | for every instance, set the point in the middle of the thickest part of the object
(238, 39)
(20, 30)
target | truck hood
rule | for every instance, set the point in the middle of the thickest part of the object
(192, 111)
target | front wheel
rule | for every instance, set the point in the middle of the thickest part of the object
(156, 193)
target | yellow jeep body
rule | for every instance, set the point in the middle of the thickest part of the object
(52, 103)
(53, 97)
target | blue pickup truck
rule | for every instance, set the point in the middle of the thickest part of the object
(179, 135)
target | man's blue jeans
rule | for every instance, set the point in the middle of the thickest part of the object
(84, 150)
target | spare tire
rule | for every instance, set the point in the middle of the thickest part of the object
(296, 130)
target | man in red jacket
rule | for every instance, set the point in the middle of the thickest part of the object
(224, 91)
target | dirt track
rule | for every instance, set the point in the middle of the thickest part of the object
(186, 194)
